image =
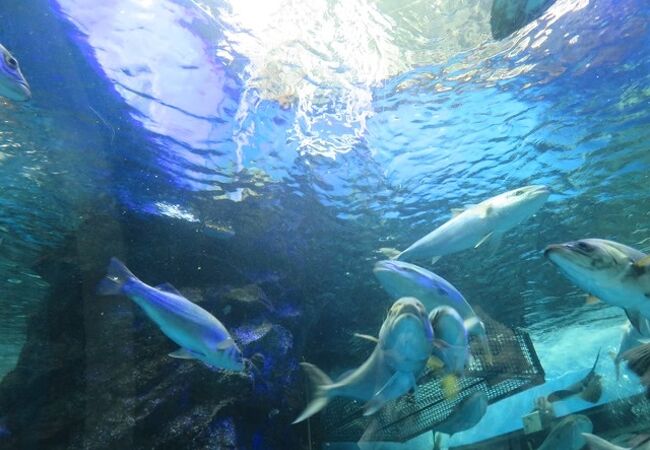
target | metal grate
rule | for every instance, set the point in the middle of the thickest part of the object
(515, 368)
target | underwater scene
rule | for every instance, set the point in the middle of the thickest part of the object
(325, 224)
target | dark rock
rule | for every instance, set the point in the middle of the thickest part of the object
(508, 16)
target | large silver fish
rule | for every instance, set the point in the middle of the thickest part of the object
(567, 434)
(467, 414)
(401, 353)
(631, 338)
(402, 279)
(199, 334)
(597, 443)
(478, 224)
(13, 84)
(615, 273)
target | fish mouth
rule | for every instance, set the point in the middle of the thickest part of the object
(553, 249)
(384, 266)
(17, 91)
(539, 190)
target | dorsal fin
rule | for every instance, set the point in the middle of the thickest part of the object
(483, 240)
(167, 287)
(367, 337)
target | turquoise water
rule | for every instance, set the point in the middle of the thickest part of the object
(276, 147)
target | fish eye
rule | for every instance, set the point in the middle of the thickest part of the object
(519, 192)
(585, 247)
(11, 61)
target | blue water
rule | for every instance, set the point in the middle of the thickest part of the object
(317, 134)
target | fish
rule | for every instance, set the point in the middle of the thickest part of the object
(596, 443)
(478, 224)
(13, 84)
(589, 388)
(403, 279)
(615, 273)
(451, 342)
(199, 334)
(465, 415)
(400, 355)
(631, 338)
(567, 433)
(638, 361)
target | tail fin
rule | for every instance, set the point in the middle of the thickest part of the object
(596, 443)
(117, 275)
(638, 359)
(320, 397)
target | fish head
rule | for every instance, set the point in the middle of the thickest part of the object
(590, 263)
(406, 333)
(448, 325)
(401, 279)
(229, 358)
(13, 84)
(519, 204)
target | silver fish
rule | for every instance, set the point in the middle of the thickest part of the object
(467, 414)
(402, 279)
(400, 355)
(451, 342)
(13, 84)
(567, 433)
(199, 334)
(478, 224)
(617, 274)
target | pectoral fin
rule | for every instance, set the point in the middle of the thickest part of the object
(183, 353)
(225, 344)
(592, 300)
(483, 240)
(366, 337)
(399, 384)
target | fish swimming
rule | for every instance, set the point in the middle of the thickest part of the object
(631, 338)
(451, 342)
(199, 334)
(13, 84)
(467, 414)
(478, 224)
(590, 388)
(638, 361)
(403, 279)
(615, 273)
(597, 443)
(399, 357)
(567, 434)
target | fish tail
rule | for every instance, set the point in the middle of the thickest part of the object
(117, 274)
(638, 359)
(320, 398)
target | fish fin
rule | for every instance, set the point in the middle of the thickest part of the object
(366, 337)
(483, 240)
(400, 383)
(592, 300)
(183, 353)
(434, 363)
(635, 318)
(225, 344)
(117, 274)
(320, 381)
(344, 375)
(596, 443)
(643, 263)
(167, 287)
(450, 386)
(485, 211)
(638, 359)
(560, 395)
(455, 212)
(435, 260)
(495, 242)
(389, 252)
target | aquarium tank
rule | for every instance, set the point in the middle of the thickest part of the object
(325, 224)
